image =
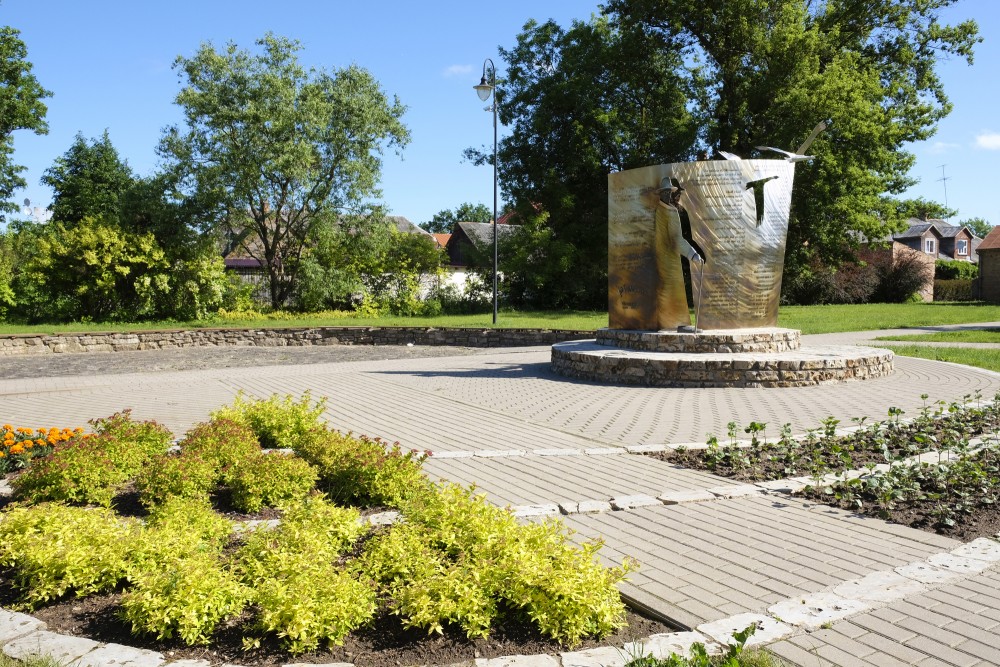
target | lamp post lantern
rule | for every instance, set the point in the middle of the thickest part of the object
(484, 90)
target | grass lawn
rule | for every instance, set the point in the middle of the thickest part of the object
(809, 319)
(981, 358)
(971, 336)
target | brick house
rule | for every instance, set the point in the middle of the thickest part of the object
(989, 267)
(940, 240)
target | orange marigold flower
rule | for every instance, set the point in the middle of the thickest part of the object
(17, 449)
(42, 429)
(2, 455)
(8, 427)
(78, 429)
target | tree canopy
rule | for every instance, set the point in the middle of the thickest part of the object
(582, 102)
(978, 226)
(444, 221)
(271, 147)
(654, 81)
(21, 108)
(89, 180)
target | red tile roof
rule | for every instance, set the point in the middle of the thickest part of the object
(442, 239)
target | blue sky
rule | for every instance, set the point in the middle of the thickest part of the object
(108, 64)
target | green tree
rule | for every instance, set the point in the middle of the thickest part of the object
(582, 102)
(444, 221)
(272, 148)
(978, 226)
(763, 72)
(21, 108)
(89, 181)
(923, 209)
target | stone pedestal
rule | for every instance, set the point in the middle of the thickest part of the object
(765, 357)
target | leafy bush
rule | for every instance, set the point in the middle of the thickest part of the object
(92, 469)
(130, 444)
(312, 527)
(479, 555)
(277, 422)
(168, 475)
(300, 594)
(188, 597)
(362, 469)
(177, 529)
(312, 601)
(80, 472)
(269, 479)
(950, 269)
(954, 290)
(223, 442)
(55, 549)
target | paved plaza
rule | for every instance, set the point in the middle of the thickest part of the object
(546, 445)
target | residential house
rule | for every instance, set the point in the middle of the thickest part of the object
(470, 245)
(940, 240)
(989, 267)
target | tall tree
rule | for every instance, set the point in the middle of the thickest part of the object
(89, 180)
(444, 221)
(763, 72)
(276, 147)
(582, 102)
(979, 226)
(21, 108)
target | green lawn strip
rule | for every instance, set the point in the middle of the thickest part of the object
(874, 316)
(969, 336)
(808, 319)
(979, 357)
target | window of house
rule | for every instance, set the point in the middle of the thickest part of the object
(929, 246)
(961, 247)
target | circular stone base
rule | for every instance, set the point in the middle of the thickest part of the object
(767, 340)
(586, 360)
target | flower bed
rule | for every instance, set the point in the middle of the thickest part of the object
(939, 471)
(132, 526)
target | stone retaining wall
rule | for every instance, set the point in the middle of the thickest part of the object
(30, 344)
(763, 340)
(585, 360)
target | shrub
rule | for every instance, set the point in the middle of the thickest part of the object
(131, 444)
(362, 469)
(300, 594)
(277, 422)
(901, 279)
(269, 479)
(176, 529)
(223, 442)
(483, 554)
(168, 475)
(950, 269)
(55, 549)
(80, 471)
(954, 290)
(312, 527)
(188, 597)
(312, 601)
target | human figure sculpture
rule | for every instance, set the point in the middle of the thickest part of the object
(671, 246)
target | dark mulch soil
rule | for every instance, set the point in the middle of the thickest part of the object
(383, 644)
(980, 521)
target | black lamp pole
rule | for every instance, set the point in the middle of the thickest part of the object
(484, 90)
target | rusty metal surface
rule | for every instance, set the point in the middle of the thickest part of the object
(737, 227)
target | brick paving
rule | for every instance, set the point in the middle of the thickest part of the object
(701, 561)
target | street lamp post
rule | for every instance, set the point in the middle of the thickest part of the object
(484, 90)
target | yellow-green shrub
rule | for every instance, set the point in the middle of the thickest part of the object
(176, 529)
(277, 422)
(79, 471)
(131, 444)
(269, 480)
(55, 549)
(187, 597)
(312, 601)
(362, 470)
(182, 475)
(221, 441)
